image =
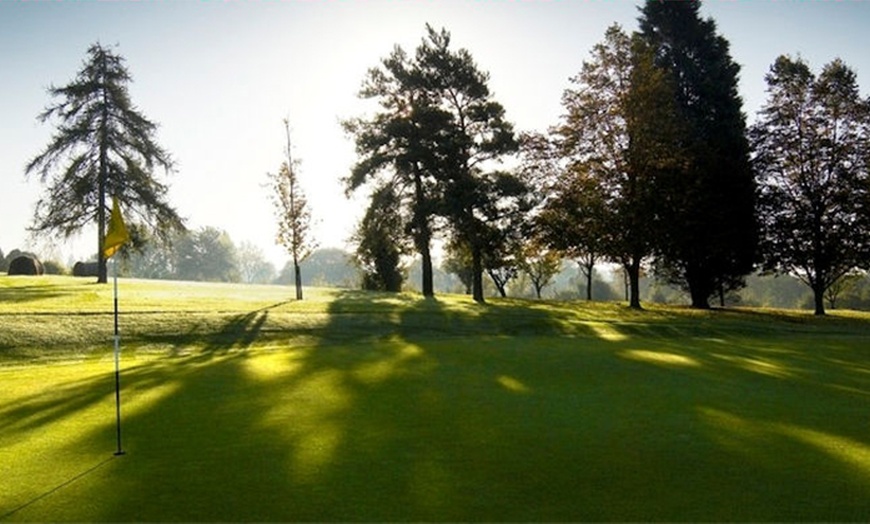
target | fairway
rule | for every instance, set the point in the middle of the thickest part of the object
(240, 404)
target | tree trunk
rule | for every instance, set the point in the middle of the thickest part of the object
(588, 284)
(632, 269)
(587, 266)
(428, 285)
(700, 300)
(819, 298)
(102, 271)
(423, 235)
(699, 289)
(477, 274)
(626, 284)
(500, 286)
(298, 279)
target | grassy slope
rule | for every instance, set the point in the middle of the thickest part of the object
(241, 405)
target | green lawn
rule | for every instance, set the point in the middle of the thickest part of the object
(240, 404)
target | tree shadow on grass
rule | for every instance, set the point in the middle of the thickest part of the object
(424, 410)
(237, 331)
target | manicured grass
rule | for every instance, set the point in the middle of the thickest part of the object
(240, 404)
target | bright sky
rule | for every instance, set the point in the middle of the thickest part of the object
(219, 77)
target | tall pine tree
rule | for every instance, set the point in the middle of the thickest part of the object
(102, 147)
(708, 236)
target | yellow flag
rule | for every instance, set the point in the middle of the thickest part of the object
(117, 234)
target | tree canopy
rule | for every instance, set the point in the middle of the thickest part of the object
(103, 146)
(811, 145)
(292, 213)
(433, 139)
(708, 242)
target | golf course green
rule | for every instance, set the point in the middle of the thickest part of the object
(241, 404)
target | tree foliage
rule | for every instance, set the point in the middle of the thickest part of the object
(434, 139)
(292, 213)
(102, 146)
(399, 146)
(811, 143)
(709, 240)
(379, 249)
(207, 254)
(614, 143)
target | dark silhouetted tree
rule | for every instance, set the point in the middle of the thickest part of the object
(709, 236)
(458, 262)
(473, 135)
(615, 142)
(811, 145)
(434, 138)
(102, 147)
(379, 249)
(399, 146)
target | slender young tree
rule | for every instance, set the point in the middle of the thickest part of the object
(539, 263)
(708, 239)
(811, 145)
(293, 214)
(103, 146)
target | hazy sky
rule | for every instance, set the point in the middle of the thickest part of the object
(219, 77)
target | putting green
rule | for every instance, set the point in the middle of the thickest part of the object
(374, 407)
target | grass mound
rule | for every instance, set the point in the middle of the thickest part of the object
(242, 405)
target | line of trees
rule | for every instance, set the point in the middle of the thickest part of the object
(651, 167)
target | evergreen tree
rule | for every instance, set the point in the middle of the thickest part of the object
(708, 235)
(379, 248)
(478, 201)
(103, 147)
(398, 146)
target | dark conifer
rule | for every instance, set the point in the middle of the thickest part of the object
(103, 147)
(708, 231)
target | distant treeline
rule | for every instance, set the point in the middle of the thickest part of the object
(210, 255)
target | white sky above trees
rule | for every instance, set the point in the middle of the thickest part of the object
(219, 78)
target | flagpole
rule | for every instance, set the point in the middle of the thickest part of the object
(120, 450)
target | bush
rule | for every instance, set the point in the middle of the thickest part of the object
(25, 265)
(85, 269)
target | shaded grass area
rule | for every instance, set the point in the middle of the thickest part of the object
(354, 406)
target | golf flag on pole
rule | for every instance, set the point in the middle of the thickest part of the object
(117, 234)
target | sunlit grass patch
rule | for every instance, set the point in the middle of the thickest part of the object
(239, 404)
